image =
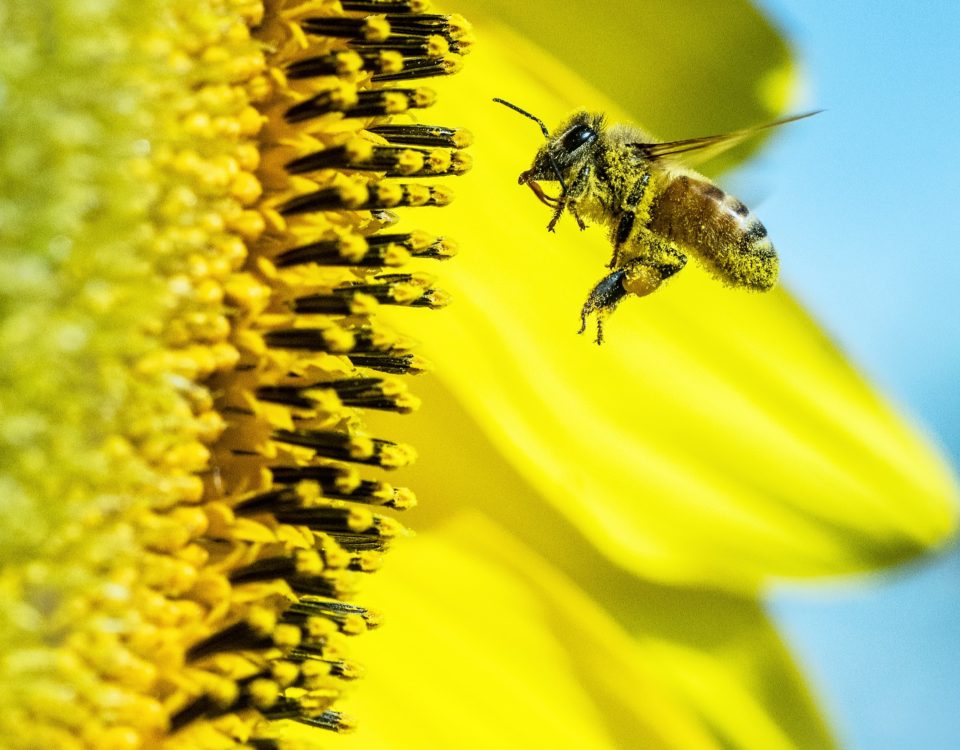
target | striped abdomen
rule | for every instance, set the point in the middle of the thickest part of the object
(718, 230)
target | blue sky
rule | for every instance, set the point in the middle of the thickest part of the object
(863, 202)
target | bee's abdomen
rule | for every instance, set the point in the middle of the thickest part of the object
(718, 230)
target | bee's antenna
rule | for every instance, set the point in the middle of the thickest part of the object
(546, 134)
(556, 171)
(515, 108)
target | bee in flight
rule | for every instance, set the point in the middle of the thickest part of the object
(657, 210)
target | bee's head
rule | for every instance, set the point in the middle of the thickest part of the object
(565, 147)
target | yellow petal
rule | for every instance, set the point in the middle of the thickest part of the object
(489, 646)
(717, 437)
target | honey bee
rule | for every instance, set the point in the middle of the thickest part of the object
(657, 210)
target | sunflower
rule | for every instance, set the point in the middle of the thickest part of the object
(219, 240)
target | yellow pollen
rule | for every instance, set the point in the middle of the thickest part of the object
(286, 636)
(441, 195)
(424, 97)
(363, 304)
(376, 29)
(359, 519)
(353, 194)
(264, 693)
(462, 162)
(359, 150)
(409, 161)
(396, 255)
(437, 46)
(391, 61)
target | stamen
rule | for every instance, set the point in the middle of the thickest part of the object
(402, 291)
(408, 46)
(378, 195)
(375, 28)
(386, 6)
(424, 135)
(453, 28)
(422, 67)
(374, 250)
(255, 634)
(203, 706)
(342, 63)
(310, 339)
(390, 160)
(334, 483)
(290, 520)
(349, 618)
(395, 60)
(368, 393)
(395, 364)
(365, 104)
(333, 720)
(279, 567)
(342, 447)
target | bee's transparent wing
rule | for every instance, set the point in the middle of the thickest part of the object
(708, 146)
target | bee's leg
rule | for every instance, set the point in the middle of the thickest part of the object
(603, 300)
(577, 188)
(557, 213)
(640, 277)
(628, 216)
(569, 199)
(573, 210)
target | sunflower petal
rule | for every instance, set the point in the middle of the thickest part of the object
(718, 436)
(492, 647)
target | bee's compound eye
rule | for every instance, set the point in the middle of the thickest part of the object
(577, 136)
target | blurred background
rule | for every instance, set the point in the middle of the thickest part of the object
(862, 201)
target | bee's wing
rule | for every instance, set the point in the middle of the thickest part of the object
(708, 146)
